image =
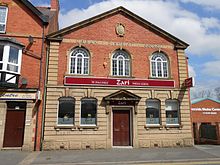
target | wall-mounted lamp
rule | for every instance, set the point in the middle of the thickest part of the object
(105, 64)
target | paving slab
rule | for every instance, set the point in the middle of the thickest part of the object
(122, 155)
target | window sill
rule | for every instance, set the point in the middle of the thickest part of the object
(149, 126)
(168, 126)
(59, 127)
(82, 127)
(161, 78)
(111, 76)
(77, 75)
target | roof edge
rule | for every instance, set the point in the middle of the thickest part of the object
(178, 43)
(42, 17)
(11, 40)
(203, 99)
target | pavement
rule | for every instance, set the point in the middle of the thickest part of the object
(197, 155)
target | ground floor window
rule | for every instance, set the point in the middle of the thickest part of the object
(66, 111)
(172, 111)
(88, 111)
(152, 111)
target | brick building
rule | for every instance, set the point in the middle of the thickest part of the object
(23, 28)
(116, 80)
(206, 120)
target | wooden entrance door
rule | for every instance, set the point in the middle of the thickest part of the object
(121, 128)
(14, 128)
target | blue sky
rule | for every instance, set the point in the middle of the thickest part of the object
(197, 22)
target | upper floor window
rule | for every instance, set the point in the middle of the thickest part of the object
(120, 63)
(66, 111)
(159, 65)
(172, 112)
(3, 18)
(153, 111)
(79, 61)
(88, 111)
(10, 58)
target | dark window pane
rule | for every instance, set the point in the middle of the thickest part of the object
(152, 116)
(13, 55)
(153, 111)
(172, 117)
(172, 112)
(66, 111)
(3, 11)
(1, 52)
(88, 111)
(12, 68)
(2, 28)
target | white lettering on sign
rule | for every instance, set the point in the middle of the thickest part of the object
(205, 109)
(209, 113)
(23, 96)
(121, 82)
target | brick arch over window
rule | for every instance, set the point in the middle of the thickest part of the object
(79, 61)
(121, 63)
(159, 65)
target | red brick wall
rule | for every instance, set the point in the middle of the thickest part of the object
(21, 23)
(104, 30)
(198, 116)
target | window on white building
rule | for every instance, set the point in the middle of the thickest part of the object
(120, 63)
(88, 111)
(79, 61)
(66, 111)
(172, 112)
(159, 65)
(152, 111)
(3, 18)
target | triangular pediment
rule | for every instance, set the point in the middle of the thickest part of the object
(122, 95)
(59, 35)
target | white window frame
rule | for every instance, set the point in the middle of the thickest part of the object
(160, 56)
(118, 55)
(92, 125)
(178, 111)
(58, 114)
(75, 58)
(6, 16)
(159, 108)
(5, 59)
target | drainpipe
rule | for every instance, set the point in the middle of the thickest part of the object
(44, 99)
(39, 84)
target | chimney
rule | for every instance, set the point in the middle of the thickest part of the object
(55, 5)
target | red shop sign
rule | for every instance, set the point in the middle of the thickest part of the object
(68, 80)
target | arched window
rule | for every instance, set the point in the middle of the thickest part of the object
(66, 111)
(120, 63)
(88, 111)
(79, 61)
(172, 112)
(159, 65)
(153, 111)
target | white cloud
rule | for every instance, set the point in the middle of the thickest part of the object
(214, 4)
(212, 68)
(168, 15)
(210, 23)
